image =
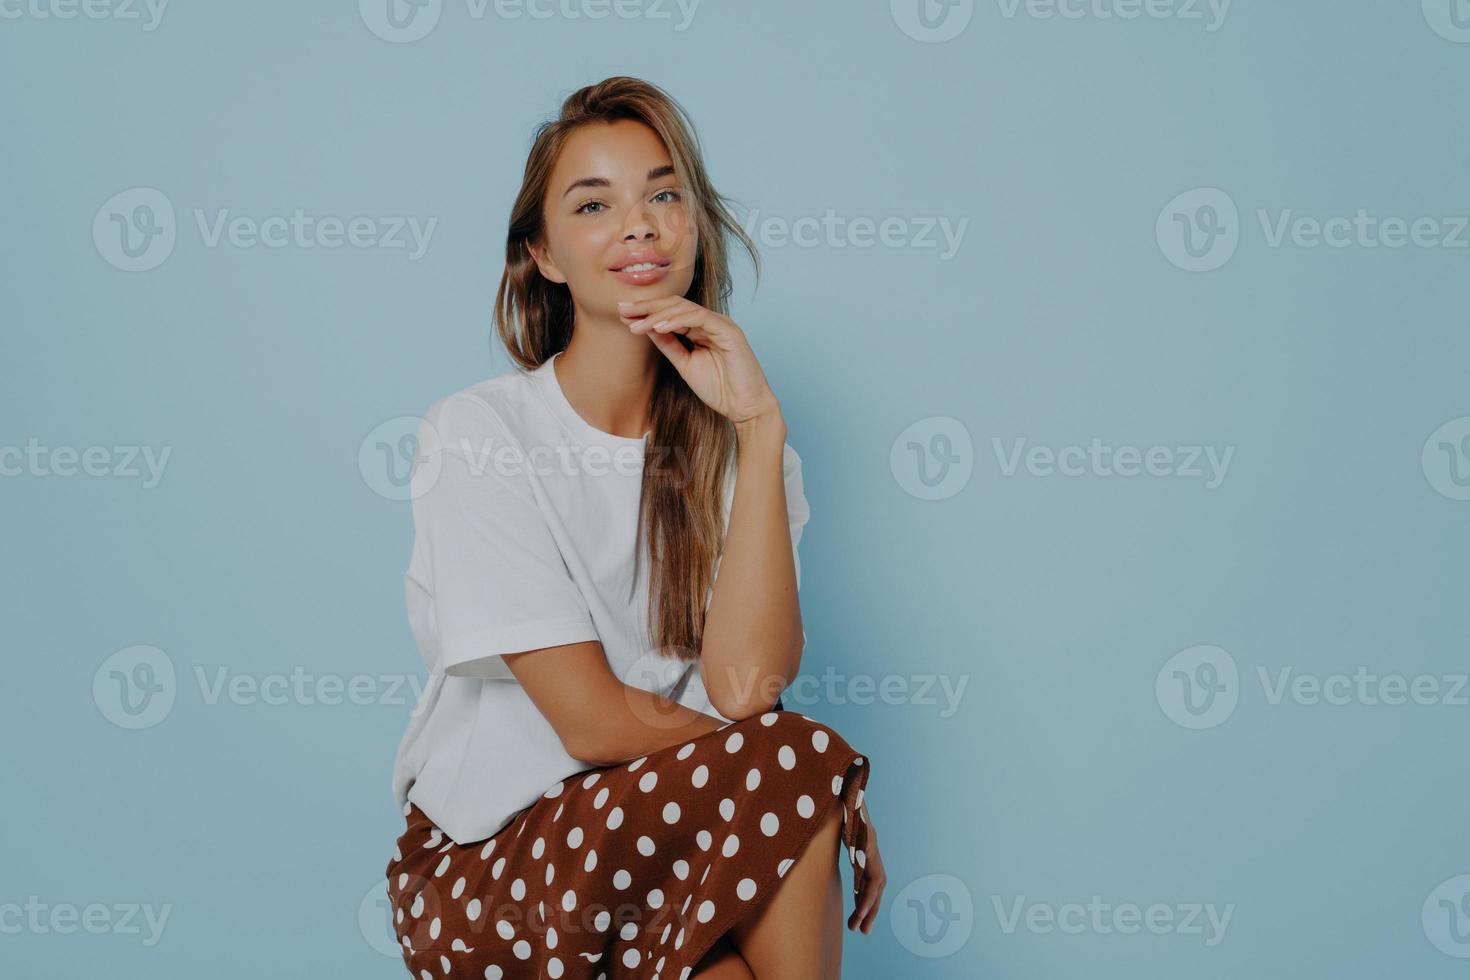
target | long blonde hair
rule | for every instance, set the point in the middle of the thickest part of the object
(680, 509)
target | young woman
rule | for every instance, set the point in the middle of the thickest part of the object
(599, 781)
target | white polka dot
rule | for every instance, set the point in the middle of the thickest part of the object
(645, 845)
(770, 824)
(787, 757)
(487, 849)
(782, 868)
(555, 791)
(752, 779)
(731, 845)
(705, 875)
(663, 937)
(862, 858)
(706, 911)
(569, 901)
(505, 930)
(671, 812)
(402, 881)
(458, 889)
(805, 806)
(819, 740)
(550, 938)
(836, 785)
(602, 920)
(518, 889)
(591, 861)
(522, 949)
(418, 906)
(550, 872)
(686, 751)
(622, 880)
(727, 808)
(700, 777)
(636, 764)
(745, 891)
(426, 975)
(630, 957)
(655, 898)
(443, 866)
(538, 848)
(574, 839)
(553, 968)
(649, 780)
(615, 818)
(557, 815)
(444, 963)
(681, 868)
(629, 930)
(733, 743)
(769, 718)
(679, 939)
(472, 910)
(591, 780)
(493, 973)
(434, 928)
(704, 839)
(600, 799)
(498, 867)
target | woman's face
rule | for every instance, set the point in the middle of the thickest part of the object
(613, 202)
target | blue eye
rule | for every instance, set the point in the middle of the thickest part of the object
(582, 208)
(676, 195)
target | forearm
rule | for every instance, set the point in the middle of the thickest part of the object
(633, 722)
(752, 640)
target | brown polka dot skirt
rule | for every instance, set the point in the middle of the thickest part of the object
(628, 871)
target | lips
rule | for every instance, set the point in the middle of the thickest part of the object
(641, 258)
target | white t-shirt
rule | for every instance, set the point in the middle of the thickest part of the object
(525, 519)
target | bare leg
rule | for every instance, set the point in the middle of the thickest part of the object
(722, 962)
(789, 937)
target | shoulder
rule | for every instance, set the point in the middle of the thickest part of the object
(500, 407)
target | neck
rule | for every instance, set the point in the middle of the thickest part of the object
(607, 373)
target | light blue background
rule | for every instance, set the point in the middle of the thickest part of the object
(1056, 599)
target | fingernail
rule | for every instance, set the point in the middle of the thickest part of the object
(623, 304)
(660, 324)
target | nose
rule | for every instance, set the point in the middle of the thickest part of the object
(640, 225)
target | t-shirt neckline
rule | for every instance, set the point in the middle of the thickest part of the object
(557, 399)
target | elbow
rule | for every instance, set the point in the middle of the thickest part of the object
(584, 748)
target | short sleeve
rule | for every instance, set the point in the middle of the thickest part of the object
(497, 580)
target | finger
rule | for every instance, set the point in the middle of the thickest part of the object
(872, 916)
(637, 308)
(671, 348)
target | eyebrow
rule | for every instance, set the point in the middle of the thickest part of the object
(656, 173)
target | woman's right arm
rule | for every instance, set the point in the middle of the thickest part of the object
(599, 719)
